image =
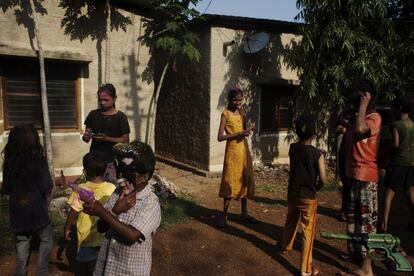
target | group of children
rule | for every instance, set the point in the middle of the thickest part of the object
(361, 127)
(114, 227)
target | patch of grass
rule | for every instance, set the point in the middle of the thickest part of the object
(333, 185)
(176, 210)
(58, 222)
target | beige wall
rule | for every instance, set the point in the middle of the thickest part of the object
(234, 68)
(128, 61)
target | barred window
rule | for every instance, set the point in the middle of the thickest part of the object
(21, 93)
(275, 108)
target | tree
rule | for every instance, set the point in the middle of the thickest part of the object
(168, 32)
(43, 92)
(343, 40)
(26, 13)
(108, 45)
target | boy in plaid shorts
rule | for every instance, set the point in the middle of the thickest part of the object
(131, 216)
(362, 141)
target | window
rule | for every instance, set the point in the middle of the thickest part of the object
(275, 108)
(21, 93)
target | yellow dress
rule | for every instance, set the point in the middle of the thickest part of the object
(237, 180)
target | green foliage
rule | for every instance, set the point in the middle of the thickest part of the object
(343, 40)
(176, 210)
(168, 29)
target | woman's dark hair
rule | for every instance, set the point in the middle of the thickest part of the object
(234, 92)
(305, 126)
(361, 85)
(407, 103)
(108, 88)
(94, 164)
(23, 154)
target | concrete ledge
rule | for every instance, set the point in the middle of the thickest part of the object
(6, 50)
(187, 167)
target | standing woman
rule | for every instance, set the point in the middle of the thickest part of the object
(106, 126)
(27, 181)
(237, 180)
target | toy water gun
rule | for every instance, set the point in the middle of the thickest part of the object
(84, 195)
(381, 247)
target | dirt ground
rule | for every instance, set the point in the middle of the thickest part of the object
(197, 247)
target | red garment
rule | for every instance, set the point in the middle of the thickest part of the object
(362, 152)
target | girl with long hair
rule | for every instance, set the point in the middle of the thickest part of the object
(27, 181)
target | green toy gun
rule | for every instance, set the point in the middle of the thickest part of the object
(381, 247)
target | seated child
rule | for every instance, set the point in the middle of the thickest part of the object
(89, 239)
(306, 163)
(131, 216)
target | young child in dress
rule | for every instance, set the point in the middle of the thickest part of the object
(132, 215)
(237, 180)
(27, 181)
(88, 237)
(401, 169)
(306, 164)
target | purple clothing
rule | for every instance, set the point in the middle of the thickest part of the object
(28, 200)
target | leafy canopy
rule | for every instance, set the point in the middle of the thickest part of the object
(343, 40)
(168, 29)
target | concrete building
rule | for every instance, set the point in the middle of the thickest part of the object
(194, 95)
(74, 47)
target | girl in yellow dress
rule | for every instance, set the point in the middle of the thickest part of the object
(237, 180)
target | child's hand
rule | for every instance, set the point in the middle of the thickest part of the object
(67, 234)
(124, 202)
(100, 137)
(93, 208)
(87, 135)
(365, 99)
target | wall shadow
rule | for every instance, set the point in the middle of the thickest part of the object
(208, 216)
(250, 72)
(86, 19)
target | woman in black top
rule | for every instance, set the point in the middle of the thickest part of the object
(106, 127)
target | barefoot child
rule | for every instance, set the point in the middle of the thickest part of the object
(237, 180)
(306, 163)
(401, 170)
(131, 217)
(89, 239)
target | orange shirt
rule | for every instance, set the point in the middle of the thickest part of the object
(362, 152)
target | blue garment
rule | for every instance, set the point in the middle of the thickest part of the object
(23, 250)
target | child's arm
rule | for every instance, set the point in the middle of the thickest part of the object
(395, 138)
(323, 179)
(69, 221)
(110, 219)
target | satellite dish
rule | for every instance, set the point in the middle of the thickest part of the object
(255, 42)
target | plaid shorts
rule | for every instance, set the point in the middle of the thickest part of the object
(362, 210)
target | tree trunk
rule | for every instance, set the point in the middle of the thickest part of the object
(108, 46)
(152, 111)
(43, 93)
